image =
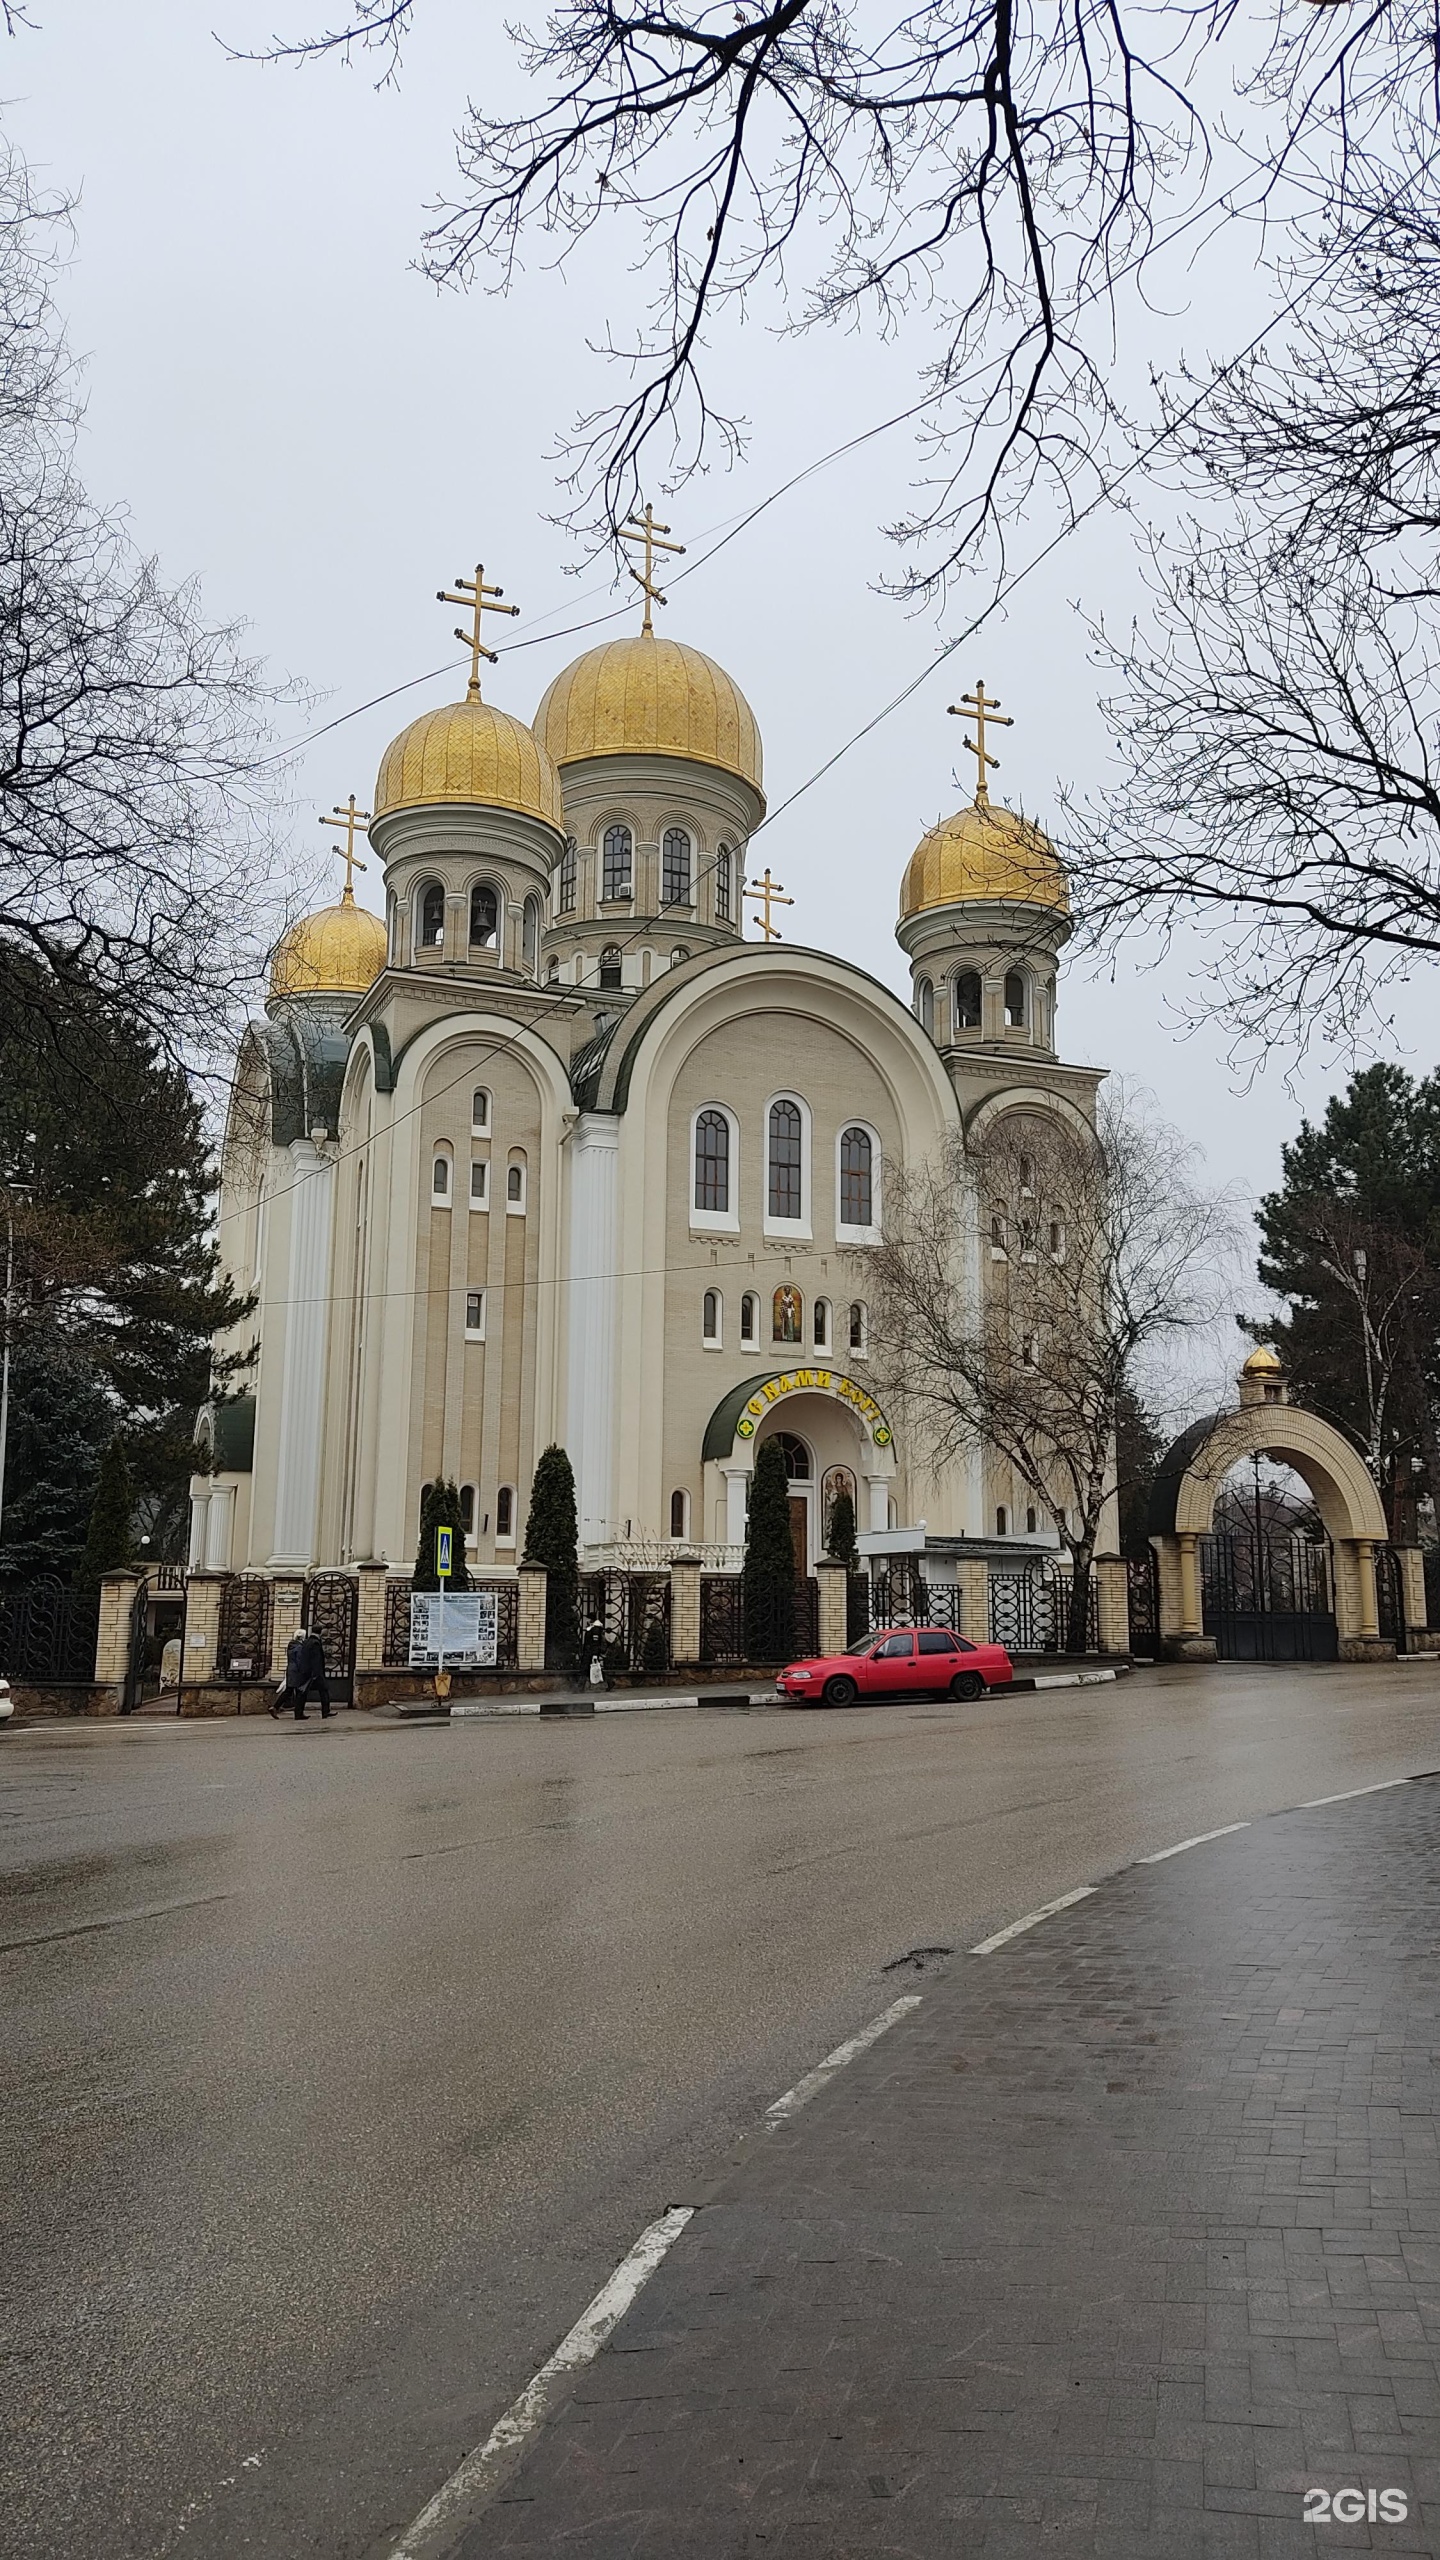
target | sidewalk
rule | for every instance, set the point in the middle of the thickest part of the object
(1122, 2240)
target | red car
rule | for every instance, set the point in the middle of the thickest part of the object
(899, 1662)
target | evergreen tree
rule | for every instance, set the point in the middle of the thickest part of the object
(552, 1539)
(440, 1510)
(1139, 1448)
(840, 1539)
(769, 1571)
(109, 1541)
(59, 1424)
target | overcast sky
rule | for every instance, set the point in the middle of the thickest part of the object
(292, 413)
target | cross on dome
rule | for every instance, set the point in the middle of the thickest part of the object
(649, 530)
(481, 600)
(349, 817)
(768, 893)
(984, 707)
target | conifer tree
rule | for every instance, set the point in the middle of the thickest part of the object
(552, 1539)
(59, 1424)
(440, 1510)
(769, 1571)
(109, 1541)
(840, 1541)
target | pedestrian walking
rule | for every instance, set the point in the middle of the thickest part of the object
(304, 1675)
(595, 1655)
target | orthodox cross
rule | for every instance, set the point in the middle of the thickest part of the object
(768, 893)
(481, 600)
(648, 529)
(349, 818)
(984, 707)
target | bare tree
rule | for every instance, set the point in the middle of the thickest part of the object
(1097, 1255)
(136, 794)
(1276, 720)
(992, 168)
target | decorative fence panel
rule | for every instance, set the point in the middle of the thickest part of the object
(634, 1611)
(1390, 1596)
(903, 1598)
(47, 1633)
(1142, 1589)
(722, 1617)
(246, 1607)
(1030, 1609)
(397, 1621)
(330, 1608)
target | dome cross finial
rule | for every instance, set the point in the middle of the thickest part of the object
(768, 893)
(481, 600)
(649, 530)
(983, 707)
(349, 818)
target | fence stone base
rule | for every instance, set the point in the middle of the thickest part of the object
(37, 1699)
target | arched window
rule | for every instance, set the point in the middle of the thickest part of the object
(610, 979)
(857, 1178)
(710, 1320)
(1014, 999)
(505, 1516)
(615, 871)
(432, 916)
(785, 1178)
(1030, 1521)
(822, 1324)
(723, 890)
(787, 1315)
(857, 1325)
(552, 970)
(1002, 1522)
(675, 868)
(679, 1512)
(467, 1510)
(479, 1182)
(967, 1000)
(566, 879)
(515, 1185)
(440, 1177)
(425, 1491)
(480, 1108)
(997, 1234)
(679, 956)
(712, 1163)
(925, 1005)
(530, 936)
(484, 917)
(795, 1454)
(749, 1322)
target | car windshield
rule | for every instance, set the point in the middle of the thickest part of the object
(857, 1652)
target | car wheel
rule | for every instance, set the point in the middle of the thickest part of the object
(967, 1684)
(841, 1691)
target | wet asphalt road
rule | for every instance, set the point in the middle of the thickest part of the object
(342, 2063)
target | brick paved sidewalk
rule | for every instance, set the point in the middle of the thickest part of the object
(1126, 2237)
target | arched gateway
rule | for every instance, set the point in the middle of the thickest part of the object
(1329, 1605)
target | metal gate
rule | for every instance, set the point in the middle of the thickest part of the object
(1030, 1609)
(47, 1634)
(1390, 1596)
(634, 1611)
(1268, 1599)
(1142, 1592)
(329, 1607)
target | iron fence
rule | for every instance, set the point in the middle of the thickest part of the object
(722, 1617)
(1268, 1599)
(246, 1612)
(330, 1608)
(903, 1598)
(1390, 1596)
(396, 1651)
(633, 1610)
(1030, 1609)
(48, 1632)
(1142, 1592)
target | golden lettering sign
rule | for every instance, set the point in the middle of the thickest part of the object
(790, 1382)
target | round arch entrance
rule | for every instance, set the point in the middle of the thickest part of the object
(1338, 1614)
(838, 1424)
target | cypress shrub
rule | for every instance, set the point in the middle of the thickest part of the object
(109, 1540)
(440, 1510)
(552, 1539)
(769, 1573)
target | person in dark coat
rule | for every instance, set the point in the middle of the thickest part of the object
(304, 1674)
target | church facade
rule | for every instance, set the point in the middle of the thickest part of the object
(554, 1153)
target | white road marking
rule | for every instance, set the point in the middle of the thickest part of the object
(805, 2089)
(1002, 1937)
(1346, 1793)
(477, 2473)
(1157, 1856)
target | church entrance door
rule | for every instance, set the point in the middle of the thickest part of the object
(800, 1533)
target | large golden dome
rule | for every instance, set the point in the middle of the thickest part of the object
(649, 696)
(984, 852)
(339, 952)
(471, 755)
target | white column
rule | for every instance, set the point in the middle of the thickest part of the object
(220, 1529)
(878, 1489)
(199, 1508)
(302, 1386)
(594, 1312)
(737, 1480)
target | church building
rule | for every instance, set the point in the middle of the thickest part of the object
(555, 1153)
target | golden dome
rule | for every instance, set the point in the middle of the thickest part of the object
(984, 852)
(650, 697)
(338, 952)
(471, 755)
(1263, 1363)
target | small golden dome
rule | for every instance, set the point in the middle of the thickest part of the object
(649, 696)
(1263, 1363)
(469, 754)
(338, 952)
(984, 852)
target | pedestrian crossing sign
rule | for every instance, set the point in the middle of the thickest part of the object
(443, 1542)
